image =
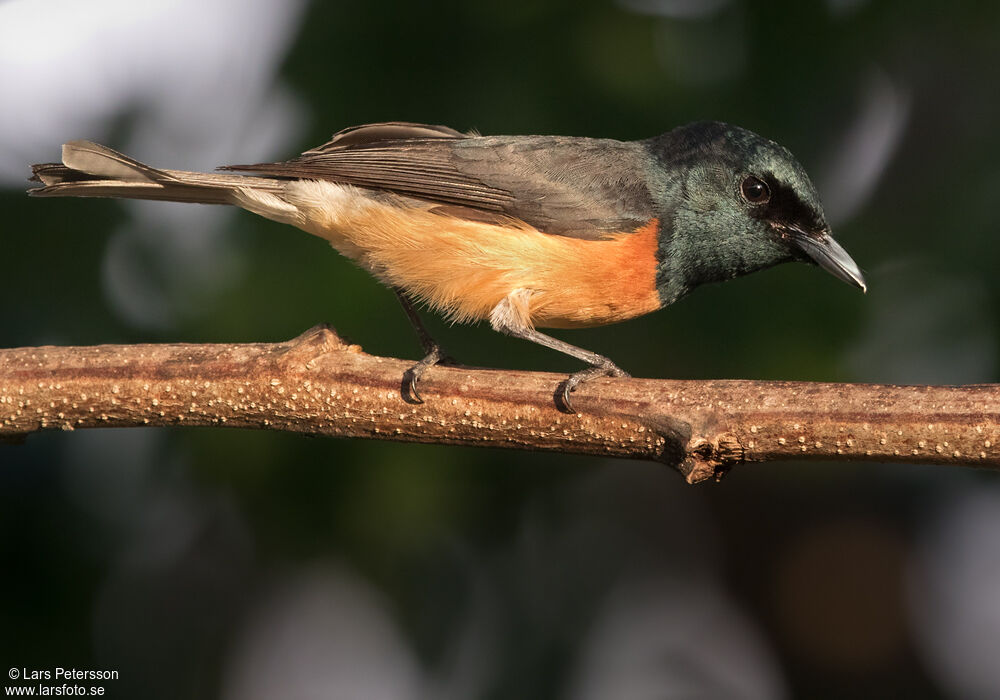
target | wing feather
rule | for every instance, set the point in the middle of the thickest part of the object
(580, 187)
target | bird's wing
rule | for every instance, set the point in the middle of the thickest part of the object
(586, 188)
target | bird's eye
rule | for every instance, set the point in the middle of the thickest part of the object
(755, 190)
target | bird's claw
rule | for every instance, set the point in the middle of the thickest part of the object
(409, 389)
(435, 356)
(577, 378)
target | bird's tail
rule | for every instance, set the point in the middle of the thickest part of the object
(91, 170)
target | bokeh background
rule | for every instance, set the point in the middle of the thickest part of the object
(205, 563)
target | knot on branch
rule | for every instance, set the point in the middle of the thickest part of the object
(712, 458)
(305, 349)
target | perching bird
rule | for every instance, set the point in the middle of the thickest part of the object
(525, 231)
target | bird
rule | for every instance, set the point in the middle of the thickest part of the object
(524, 232)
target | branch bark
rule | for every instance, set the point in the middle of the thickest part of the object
(318, 384)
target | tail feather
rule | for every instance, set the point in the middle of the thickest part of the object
(91, 170)
(100, 161)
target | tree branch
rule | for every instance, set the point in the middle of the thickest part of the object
(318, 384)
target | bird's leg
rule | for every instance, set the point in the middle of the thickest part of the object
(511, 318)
(434, 353)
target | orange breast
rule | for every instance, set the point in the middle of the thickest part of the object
(612, 280)
(464, 268)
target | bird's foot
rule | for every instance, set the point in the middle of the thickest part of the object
(435, 356)
(610, 369)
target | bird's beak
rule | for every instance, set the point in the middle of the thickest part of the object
(821, 249)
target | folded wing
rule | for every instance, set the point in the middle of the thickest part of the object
(579, 187)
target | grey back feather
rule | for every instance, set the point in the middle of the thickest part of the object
(579, 187)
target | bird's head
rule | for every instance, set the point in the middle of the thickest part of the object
(734, 203)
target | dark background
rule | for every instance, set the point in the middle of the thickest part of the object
(203, 562)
